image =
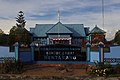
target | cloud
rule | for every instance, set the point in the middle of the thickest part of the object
(4, 18)
(87, 12)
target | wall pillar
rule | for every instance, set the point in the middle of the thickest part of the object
(48, 41)
(16, 51)
(32, 50)
(88, 45)
(101, 52)
(69, 40)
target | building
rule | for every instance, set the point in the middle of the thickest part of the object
(73, 34)
(60, 42)
(97, 35)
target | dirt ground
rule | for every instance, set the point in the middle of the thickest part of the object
(56, 70)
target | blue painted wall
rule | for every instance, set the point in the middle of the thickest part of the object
(114, 52)
(26, 56)
(94, 56)
(4, 52)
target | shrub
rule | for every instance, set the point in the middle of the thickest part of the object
(12, 66)
(117, 69)
(102, 69)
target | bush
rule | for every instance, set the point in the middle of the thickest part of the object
(102, 69)
(117, 69)
(12, 66)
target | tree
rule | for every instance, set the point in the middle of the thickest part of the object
(3, 38)
(20, 20)
(18, 33)
(22, 36)
(12, 35)
(1, 32)
(117, 37)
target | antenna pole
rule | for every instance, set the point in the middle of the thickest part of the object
(58, 15)
(103, 14)
(59, 21)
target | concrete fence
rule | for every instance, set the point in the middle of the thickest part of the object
(28, 56)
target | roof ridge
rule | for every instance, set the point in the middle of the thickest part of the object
(59, 27)
(96, 29)
(52, 27)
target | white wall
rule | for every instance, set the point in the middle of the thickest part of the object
(4, 52)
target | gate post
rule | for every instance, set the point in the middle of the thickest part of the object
(32, 51)
(88, 45)
(16, 51)
(101, 52)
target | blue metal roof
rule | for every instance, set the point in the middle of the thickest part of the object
(77, 29)
(41, 30)
(97, 30)
(32, 30)
(59, 28)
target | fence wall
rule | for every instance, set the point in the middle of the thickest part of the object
(113, 56)
(94, 56)
(26, 56)
(4, 52)
(114, 52)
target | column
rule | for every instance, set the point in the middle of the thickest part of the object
(48, 41)
(69, 40)
(101, 52)
(88, 45)
(16, 51)
(32, 51)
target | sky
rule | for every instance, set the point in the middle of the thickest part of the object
(87, 12)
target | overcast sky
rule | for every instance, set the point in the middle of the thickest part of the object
(87, 12)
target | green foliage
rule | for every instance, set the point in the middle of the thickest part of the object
(3, 39)
(1, 32)
(12, 35)
(22, 36)
(102, 69)
(10, 66)
(18, 33)
(117, 69)
(20, 20)
(117, 37)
